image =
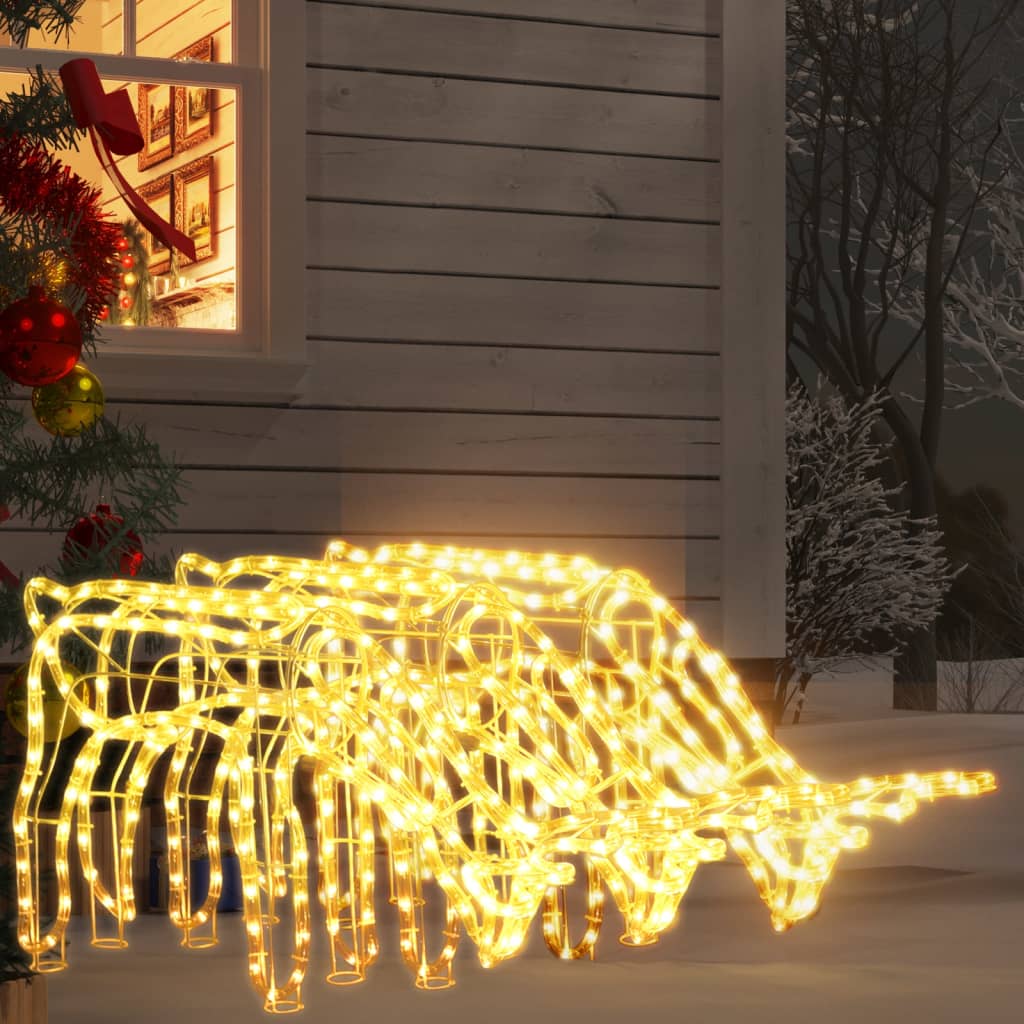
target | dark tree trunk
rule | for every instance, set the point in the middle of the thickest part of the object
(915, 674)
(805, 678)
(784, 674)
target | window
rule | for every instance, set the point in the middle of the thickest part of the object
(223, 161)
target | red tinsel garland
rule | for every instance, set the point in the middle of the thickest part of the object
(34, 183)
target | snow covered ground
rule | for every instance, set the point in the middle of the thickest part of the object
(926, 924)
(863, 689)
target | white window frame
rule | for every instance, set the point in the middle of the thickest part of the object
(266, 357)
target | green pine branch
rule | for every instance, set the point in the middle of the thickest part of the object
(49, 483)
(53, 18)
(39, 111)
(52, 482)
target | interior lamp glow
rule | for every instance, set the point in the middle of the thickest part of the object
(504, 723)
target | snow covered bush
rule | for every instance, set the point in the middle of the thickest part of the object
(860, 575)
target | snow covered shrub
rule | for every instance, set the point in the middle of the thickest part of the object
(860, 575)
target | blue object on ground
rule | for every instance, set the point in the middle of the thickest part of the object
(231, 885)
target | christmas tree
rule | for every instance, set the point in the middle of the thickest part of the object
(102, 488)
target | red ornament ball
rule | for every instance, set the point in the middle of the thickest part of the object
(128, 261)
(126, 302)
(40, 340)
(92, 534)
(122, 244)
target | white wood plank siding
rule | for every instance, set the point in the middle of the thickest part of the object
(678, 566)
(512, 298)
(693, 16)
(408, 504)
(436, 441)
(550, 315)
(753, 330)
(404, 239)
(513, 212)
(522, 380)
(509, 49)
(385, 104)
(473, 177)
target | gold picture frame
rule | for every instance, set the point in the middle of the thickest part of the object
(193, 104)
(158, 193)
(156, 122)
(194, 212)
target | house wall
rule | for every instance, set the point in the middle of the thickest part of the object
(515, 251)
(513, 240)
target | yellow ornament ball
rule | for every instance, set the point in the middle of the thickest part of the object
(69, 405)
(58, 723)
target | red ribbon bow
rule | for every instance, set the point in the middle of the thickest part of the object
(114, 129)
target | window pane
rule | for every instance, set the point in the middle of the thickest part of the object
(99, 28)
(187, 166)
(186, 172)
(181, 28)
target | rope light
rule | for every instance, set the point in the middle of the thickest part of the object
(502, 723)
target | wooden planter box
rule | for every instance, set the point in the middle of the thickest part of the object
(23, 1001)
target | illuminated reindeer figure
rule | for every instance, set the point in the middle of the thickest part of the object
(497, 718)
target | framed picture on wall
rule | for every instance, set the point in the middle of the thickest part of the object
(193, 104)
(158, 194)
(193, 204)
(156, 121)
